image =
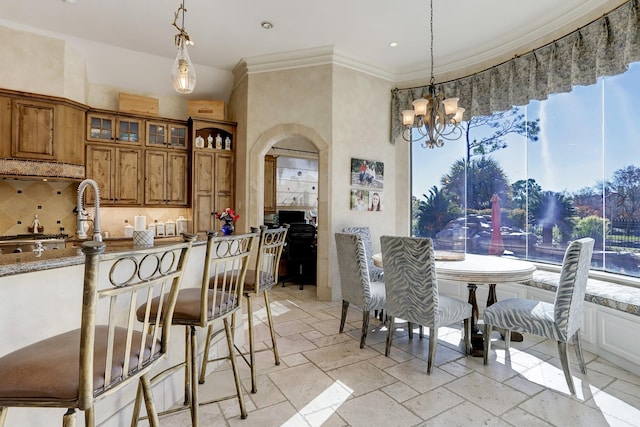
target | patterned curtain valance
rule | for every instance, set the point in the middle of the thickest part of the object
(604, 47)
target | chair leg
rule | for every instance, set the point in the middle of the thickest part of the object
(187, 366)
(467, 335)
(136, 406)
(68, 419)
(267, 305)
(205, 356)
(389, 335)
(564, 359)
(343, 318)
(433, 342)
(577, 345)
(421, 331)
(507, 339)
(410, 330)
(487, 342)
(234, 366)
(252, 351)
(89, 418)
(192, 366)
(152, 414)
(365, 327)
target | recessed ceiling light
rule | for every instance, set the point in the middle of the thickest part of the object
(266, 25)
(393, 44)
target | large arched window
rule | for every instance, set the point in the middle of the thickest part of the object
(565, 167)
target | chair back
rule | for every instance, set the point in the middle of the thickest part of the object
(115, 348)
(354, 272)
(365, 233)
(572, 286)
(225, 267)
(410, 279)
(270, 246)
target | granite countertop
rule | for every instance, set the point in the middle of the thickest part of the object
(27, 262)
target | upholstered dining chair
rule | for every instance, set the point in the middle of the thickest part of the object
(258, 281)
(558, 321)
(110, 350)
(225, 265)
(357, 287)
(412, 291)
(376, 273)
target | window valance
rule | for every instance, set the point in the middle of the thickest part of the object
(604, 47)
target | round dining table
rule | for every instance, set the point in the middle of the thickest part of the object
(475, 270)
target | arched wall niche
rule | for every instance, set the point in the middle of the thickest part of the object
(256, 196)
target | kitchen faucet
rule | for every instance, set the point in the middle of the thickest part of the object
(83, 216)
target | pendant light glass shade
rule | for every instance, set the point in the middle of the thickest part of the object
(182, 73)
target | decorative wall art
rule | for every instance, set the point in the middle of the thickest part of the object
(367, 181)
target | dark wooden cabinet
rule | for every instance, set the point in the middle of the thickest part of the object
(118, 172)
(270, 169)
(166, 178)
(213, 174)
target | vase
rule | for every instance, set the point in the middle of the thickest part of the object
(227, 228)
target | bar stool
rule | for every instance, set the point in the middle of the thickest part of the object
(225, 265)
(265, 274)
(76, 369)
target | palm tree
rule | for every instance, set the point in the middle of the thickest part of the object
(549, 209)
(434, 213)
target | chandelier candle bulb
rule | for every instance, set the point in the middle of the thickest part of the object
(140, 222)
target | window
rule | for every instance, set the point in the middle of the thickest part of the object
(564, 168)
(297, 183)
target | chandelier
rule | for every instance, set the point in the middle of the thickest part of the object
(183, 74)
(433, 117)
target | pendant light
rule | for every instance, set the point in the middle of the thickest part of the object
(183, 74)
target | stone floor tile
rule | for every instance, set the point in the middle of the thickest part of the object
(490, 395)
(338, 355)
(400, 391)
(561, 410)
(432, 403)
(376, 409)
(361, 377)
(521, 418)
(414, 374)
(465, 414)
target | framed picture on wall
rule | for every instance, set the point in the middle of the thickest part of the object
(375, 201)
(359, 200)
(367, 173)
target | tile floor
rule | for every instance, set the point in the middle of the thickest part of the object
(325, 379)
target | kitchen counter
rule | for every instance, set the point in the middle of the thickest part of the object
(27, 262)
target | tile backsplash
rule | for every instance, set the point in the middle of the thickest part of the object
(54, 203)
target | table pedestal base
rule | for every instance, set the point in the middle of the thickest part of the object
(477, 338)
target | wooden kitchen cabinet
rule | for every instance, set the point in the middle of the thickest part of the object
(270, 168)
(213, 187)
(105, 127)
(43, 128)
(166, 135)
(213, 173)
(166, 178)
(118, 172)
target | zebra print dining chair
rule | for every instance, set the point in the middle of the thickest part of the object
(558, 321)
(357, 287)
(412, 291)
(375, 273)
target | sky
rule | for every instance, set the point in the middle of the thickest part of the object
(575, 149)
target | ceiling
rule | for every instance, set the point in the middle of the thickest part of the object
(467, 32)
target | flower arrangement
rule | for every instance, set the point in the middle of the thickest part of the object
(227, 215)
